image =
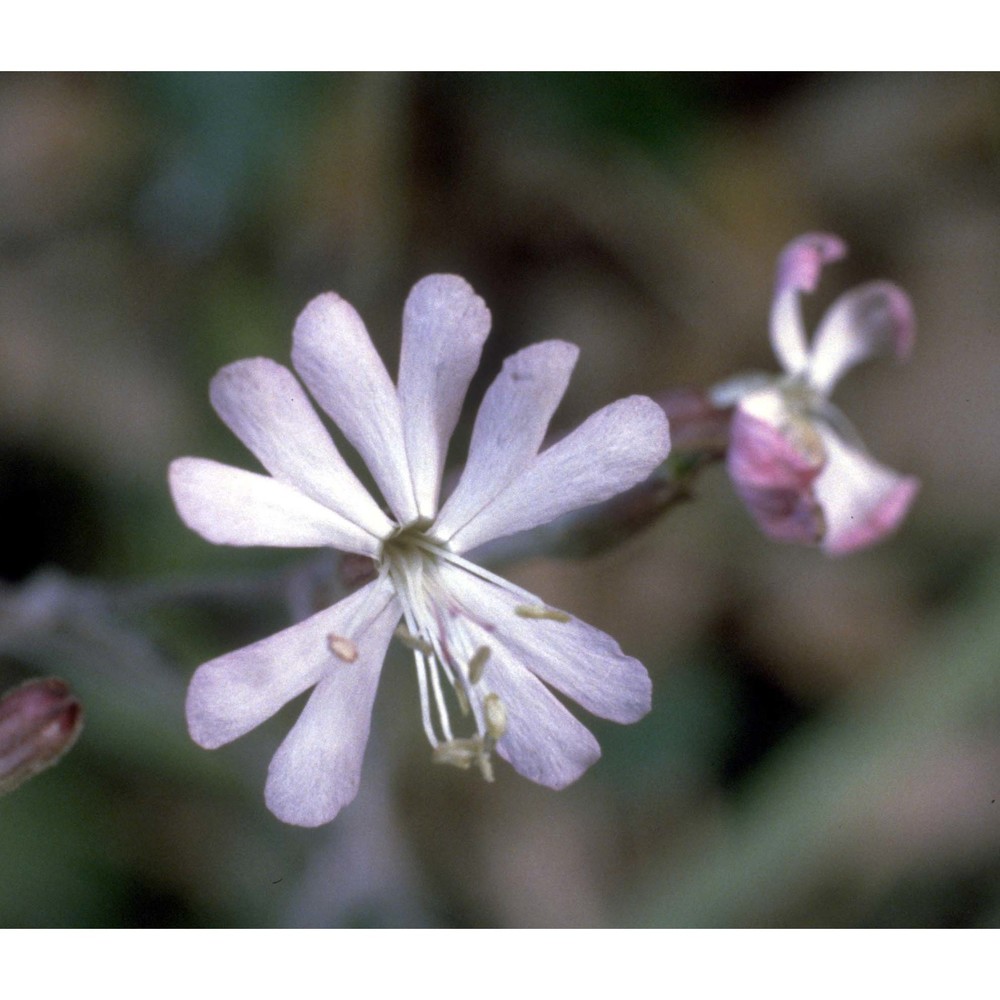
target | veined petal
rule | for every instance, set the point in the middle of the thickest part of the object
(574, 658)
(509, 429)
(873, 319)
(444, 326)
(317, 769)
(234, 693)
(542, 740)
(337, 360)
(799, 268)
(263, 404)
(773, 465)
(614, 449)
(230, 506)
(863, 501)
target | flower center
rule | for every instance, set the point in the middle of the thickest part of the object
(446, 651)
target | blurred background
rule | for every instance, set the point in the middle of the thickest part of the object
(824, 745)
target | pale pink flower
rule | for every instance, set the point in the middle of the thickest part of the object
(795, 460)
(482, 646)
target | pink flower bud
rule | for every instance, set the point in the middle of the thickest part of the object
(39, 722)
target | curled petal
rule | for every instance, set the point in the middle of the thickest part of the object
(799, 268)
(317, 769)
(774, 475)
(338, 362)
(230, 506)
(263, 404)
(862, 500)
(236, 692)
(614, 449)
(874, 319)
(542, 739)
(444, 326)
(509, 429)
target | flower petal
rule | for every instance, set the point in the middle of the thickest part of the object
(509, 429)
(862, 500)
(444, 326)
(542, 739)
(230, 506)
(317, 769)
(614, 449)
(337, 360)
(773, 470)
(234, 693)
(576, 659)
(873, 319)
(263, 404)
(799, 267)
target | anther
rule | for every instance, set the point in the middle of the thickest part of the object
(541, 613)
(496, 716)
(342, 648)
(478, 663)
(463, 753)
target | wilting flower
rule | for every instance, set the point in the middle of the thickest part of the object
(482, 646)
(795, 460)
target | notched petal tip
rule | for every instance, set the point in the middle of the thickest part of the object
(326, 306)
(452, 295)
(801, 262)
(245, 369)
(208, 723)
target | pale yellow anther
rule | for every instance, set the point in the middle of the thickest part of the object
(541, 613)
(478, 663)
(342, 647)
(496, 716)
(460, 753)
(463, 753)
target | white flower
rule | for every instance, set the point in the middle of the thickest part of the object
(795, 460)
(482, 647)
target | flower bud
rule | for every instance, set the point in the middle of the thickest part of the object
(39, 722)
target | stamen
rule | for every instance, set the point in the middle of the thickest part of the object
(463, 753)
(433, 665)
(342, 647)
(439, 551)
(485, 765)
(425, 705)
(445, 650)
(496, 717)
(541, 613)
(478, 663)
(463, 702)
(414, 641)
(460, 753)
